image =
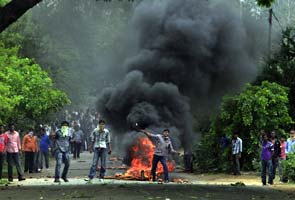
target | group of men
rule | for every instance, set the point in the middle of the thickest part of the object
(100, 146)
(10, 144)
(273, 151)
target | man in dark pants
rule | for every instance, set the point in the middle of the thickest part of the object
(276, 154)
(236, 153)
(267, 150)
(163, 148)
(13, 149)
(44, 149)
(77, 140)
(61, 146)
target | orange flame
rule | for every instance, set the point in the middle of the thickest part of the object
(141, 164)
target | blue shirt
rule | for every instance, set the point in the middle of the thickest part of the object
(290, 146)
(44, 143)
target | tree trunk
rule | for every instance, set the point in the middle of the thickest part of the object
(14, 10)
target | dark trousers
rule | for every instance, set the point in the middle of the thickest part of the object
(266, 165)
(37, 160)
(13, 158)
(29, 161)
(275, 164)
(62, 157)
(2, 155)
(45, 155)
(155, 161)
(77, 148)
(236, 164)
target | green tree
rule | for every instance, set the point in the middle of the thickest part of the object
(27, 92)
(257, 108)
(281, 68)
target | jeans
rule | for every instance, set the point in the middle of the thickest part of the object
(77, 147)
(266, 165)
(155, 161)
(1, 163)
(13, 158)
(29, 161)
(102, 154)
(45, 155)
(61, 157)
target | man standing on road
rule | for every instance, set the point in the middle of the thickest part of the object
(277, 153)
(61, 146)
(13, 150)
(237, 145)
(30, 148)
(163, 148)
(290, 145)
(100, 142)
(77, 136)
(44, 149)
(267, 150)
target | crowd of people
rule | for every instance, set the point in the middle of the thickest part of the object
(274, 150)
(59, 142)
(35, 146)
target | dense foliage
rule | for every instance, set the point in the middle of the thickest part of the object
(27, 92)
(288, 168)
(263, 107)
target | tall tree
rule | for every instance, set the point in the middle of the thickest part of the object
(14, 10)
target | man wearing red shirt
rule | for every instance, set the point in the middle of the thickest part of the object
(3, 142)
(13, 148)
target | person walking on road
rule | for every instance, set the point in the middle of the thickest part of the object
(61, 146)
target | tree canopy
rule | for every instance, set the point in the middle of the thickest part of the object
(27, 92)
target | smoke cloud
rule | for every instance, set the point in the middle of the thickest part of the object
(188, 55)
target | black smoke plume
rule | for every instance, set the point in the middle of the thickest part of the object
(189, 53)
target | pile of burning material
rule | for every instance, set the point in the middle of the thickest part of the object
(141, 162)
(114, 164)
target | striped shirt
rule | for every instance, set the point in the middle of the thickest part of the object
(237, 145)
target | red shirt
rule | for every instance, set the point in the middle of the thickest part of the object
(3, 142)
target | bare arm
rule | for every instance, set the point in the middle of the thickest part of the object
(147, 133)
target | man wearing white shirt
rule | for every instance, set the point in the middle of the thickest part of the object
(100, 143)
(236, 153)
